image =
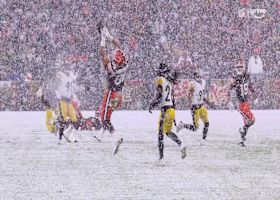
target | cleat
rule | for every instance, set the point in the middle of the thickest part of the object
(118, 145)
(242, 144)
(183, 152)
(97, 139)
(204, 136)
(180, 126)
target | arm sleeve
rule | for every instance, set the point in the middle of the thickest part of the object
(158, 98)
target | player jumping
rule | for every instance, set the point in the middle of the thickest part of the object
(165, 97)
(199, 111)
(116, 66)
(242, 85)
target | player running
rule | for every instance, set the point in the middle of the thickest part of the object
(242, 85)
(198, 110)
(165, 97)
(116, 65)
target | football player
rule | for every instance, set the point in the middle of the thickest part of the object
(242, 84)
(115, 65)
(198, 110)
(165, 97)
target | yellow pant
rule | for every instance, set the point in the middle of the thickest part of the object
(49, 121)
(67, 110)
(166, 120)
(199, 113)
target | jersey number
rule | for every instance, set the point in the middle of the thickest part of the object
(167, 89)
(244, 89)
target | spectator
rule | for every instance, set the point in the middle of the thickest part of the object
(255, 65)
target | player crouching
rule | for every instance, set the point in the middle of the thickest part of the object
(198, 110)
(165, 97)
(242, 85)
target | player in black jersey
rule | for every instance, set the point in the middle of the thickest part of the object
(243, 86)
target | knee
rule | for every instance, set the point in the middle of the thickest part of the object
(195, 126)
(206, 125)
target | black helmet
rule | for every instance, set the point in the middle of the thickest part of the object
(163, 69)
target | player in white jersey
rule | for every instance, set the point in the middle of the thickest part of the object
(55, 94)
(199, 111)
(68, 118)
(165, 98)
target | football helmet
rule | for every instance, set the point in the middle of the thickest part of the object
(119, 57)
(163, 69)
(240, 69)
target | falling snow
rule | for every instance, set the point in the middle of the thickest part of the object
(38, 38)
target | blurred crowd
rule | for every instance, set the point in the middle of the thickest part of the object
(38, 37)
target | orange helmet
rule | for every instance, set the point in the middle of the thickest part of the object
(119, 57)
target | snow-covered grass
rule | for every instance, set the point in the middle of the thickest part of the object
(33, 166)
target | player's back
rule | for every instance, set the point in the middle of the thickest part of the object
(167, 91)
(64, 90)
(198, 93)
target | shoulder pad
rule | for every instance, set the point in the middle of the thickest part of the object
(159, 81)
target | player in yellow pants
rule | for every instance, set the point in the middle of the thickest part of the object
(165, 97)
(67, 110)
(50, 123)
(199, 111)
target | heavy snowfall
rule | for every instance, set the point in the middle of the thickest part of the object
(82, 108)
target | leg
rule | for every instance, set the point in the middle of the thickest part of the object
(248, 118)
(174, 137)
(194, 126)
(62, 119)
(204, 118)
(105, 111)
(167, 129)
(111, 102)
(160, 135)
(73, 122)
(105, 106)
(50, 121)
(168, 120)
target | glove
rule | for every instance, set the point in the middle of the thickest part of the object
(230, 106)
(256, 102)
(105, 33)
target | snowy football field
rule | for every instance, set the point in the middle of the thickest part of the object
(33, 166)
